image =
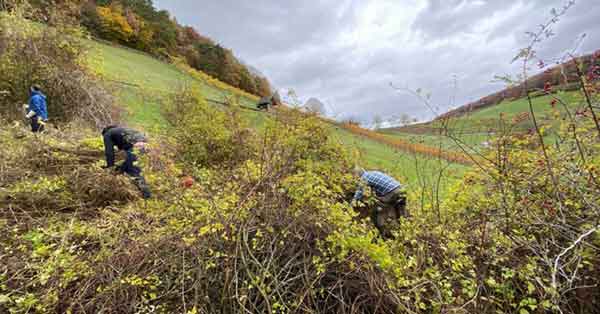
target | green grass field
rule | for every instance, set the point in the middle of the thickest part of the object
(478, 127)
(510, 109)
(444, 142)
(142, 83)
(412, 168)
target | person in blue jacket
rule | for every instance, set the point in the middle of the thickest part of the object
(126, 140)
(37, 109)
(389, 192)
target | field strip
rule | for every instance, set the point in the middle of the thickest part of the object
(427, 150)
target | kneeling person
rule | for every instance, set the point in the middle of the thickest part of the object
(388, 191)
(126, 140)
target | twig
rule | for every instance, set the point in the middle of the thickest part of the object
(587, 96)
(183, 281)
(565, 251)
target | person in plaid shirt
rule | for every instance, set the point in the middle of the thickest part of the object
(387, 190)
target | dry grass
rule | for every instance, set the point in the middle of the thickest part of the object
(55, 173)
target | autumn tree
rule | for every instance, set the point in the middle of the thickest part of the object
(139, 25)
(263, 88)
(249, 84)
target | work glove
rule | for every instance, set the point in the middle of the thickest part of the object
(42, 122)
(30, 115)
(25, 108)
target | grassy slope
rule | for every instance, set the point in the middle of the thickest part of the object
(446, 143)
(154, 80)
(412, 168)
(475, 127)
(142, 82)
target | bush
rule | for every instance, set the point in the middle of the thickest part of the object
(273, 232)
(49, 57)
(207, 136)
(261, 234)
(41, 176)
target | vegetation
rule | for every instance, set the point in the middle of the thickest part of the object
(476, 130)
(411, 147)
(50, 59)
(138, 24)
(252, 235)
(564, 77)
(271, 229)
(144, 86)
(260, 220)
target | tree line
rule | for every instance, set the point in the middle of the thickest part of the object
(139, 25)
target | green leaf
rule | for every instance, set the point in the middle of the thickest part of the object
(547, 304)
(4, 299)
(530, 288)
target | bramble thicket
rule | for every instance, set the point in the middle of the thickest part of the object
(267, 226)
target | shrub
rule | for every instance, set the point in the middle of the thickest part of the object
(252, 235)
(49, 57)
(41, 176)
(207, 136)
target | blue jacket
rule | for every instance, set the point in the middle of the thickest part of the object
(37, 104)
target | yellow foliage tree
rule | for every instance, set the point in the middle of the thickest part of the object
(114, 24)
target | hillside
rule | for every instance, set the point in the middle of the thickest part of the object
(142, 82)
(253, 212)
(143, 85)
(480, 127)
(555, 96)
(562, 77)
(139, 25)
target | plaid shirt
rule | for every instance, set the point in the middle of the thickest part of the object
(381, 183)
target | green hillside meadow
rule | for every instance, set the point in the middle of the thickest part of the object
(142, 83)
(482, 126)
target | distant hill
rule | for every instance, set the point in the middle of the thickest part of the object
(560, 77)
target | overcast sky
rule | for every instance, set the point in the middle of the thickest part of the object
(347, 52)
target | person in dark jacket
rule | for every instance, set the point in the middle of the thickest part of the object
(388, 192)
(126, 140)
(270, 101)
(37, 110)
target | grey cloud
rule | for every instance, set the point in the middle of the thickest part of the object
(442, 18)
(297, 45)
(262, 27)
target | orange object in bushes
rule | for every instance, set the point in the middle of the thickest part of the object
(187, 182)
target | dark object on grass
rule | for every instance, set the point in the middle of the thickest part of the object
(266, 103)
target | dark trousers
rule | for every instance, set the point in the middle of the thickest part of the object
(36, 127)
(135, 173)
(391, 208)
